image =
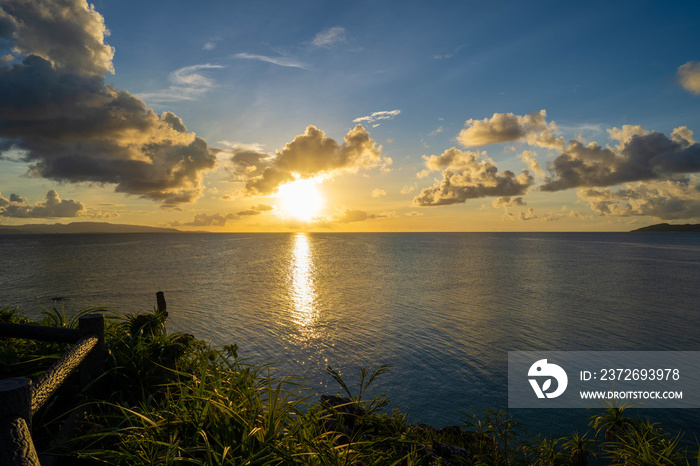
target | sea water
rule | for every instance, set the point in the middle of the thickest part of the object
(442, 309)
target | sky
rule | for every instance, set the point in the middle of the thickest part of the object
(268, 116)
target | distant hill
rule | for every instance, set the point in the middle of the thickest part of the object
(668, 227)
(84, 227)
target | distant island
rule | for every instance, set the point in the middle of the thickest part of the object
(668, 227)
(83, 227)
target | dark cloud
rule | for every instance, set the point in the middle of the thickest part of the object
(51, 207)
(72, 127)
(665, 200)
(465, 177)
(306, 156)
(643, 157)
(503, 127)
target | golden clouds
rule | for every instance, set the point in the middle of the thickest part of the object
(503, 127)
(465, 177)
(308, 155)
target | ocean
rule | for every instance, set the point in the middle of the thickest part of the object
(443, 309)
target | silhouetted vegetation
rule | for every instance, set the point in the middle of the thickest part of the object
(167, 398)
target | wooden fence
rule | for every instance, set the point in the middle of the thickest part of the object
(21, 398)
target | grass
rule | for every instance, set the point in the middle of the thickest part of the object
(172, 399)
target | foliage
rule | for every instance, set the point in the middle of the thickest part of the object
(167, 398)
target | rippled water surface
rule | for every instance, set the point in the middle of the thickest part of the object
(443, 309)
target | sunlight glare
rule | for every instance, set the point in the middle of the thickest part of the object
(303, 290)
(300, 199)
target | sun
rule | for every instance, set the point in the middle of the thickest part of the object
(300, 199)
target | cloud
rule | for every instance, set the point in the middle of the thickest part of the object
(210, 45)
(506, 201)
(624, 134)
(69, 126)
(385, 167)
(683, 136)
(279, 61)
(253, 147)
(352, 216)
(465, 177)
(51, 207)
(349, 216)
(329, 37)
(529, 158)
(529, 215)
(188, 83)
(407, 189)
(69, 34)
(308, 155)
(665, 200)
(503, 127)
(438, 130)
(256, 210)
(650, 156)
(377, 116)
(246, 162)
(378, 192)
(205, 220)
(689, 77)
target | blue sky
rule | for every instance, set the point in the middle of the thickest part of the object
(250, 77)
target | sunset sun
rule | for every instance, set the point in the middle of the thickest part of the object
(300, 200)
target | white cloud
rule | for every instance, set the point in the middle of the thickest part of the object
(188, 83)
(329, 37)
(279, 61)
(378, 192)
(377, 116)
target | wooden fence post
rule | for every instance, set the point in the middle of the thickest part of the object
(16, 445)
(160, 298)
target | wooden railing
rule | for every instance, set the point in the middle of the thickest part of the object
(21, 398)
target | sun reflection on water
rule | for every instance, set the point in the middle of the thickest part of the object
(303, 292)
